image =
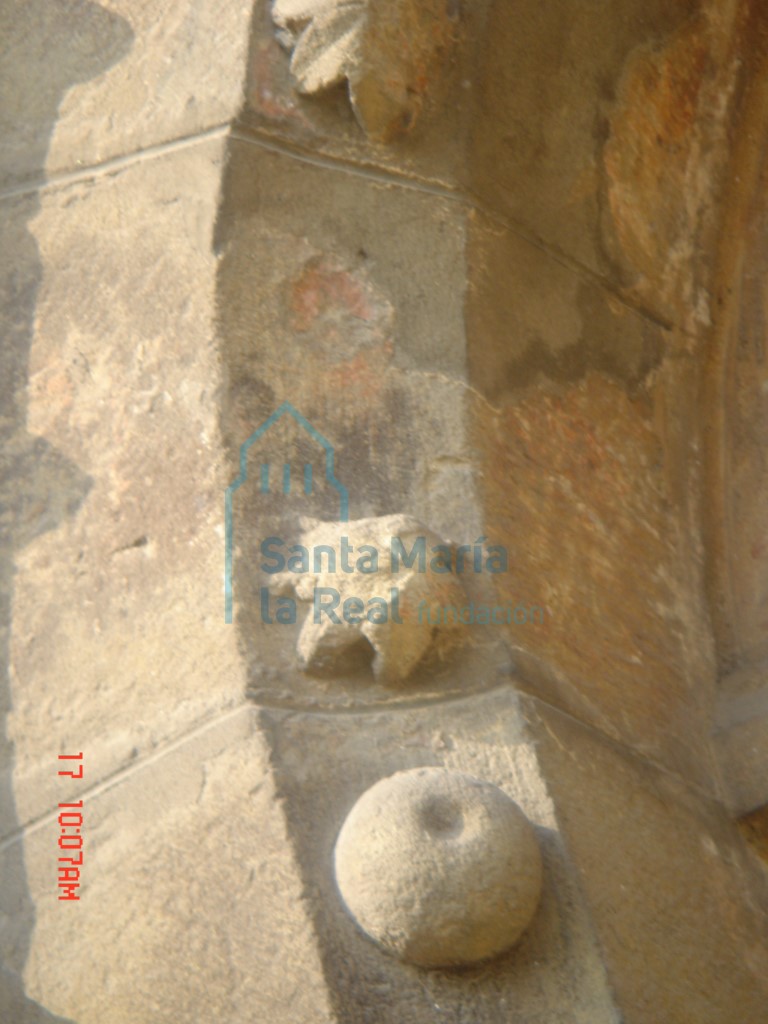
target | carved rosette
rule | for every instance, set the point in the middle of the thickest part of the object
(390, 52)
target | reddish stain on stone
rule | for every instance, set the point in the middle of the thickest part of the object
(572, 485)
(323, 288)
(265, 91)
(361, 378)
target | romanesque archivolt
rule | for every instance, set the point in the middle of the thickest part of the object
(390, 53)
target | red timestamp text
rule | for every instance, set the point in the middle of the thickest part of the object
(70, 822)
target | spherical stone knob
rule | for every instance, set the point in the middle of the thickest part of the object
(439, 868)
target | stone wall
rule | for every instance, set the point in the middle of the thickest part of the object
(506, 260)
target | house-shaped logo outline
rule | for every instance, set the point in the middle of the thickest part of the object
(285, 409)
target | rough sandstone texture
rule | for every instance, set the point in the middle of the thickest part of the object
(85, 82)
(191, 895)
(438, 867)
(395, 606)
(127, 423)
(536, 317)
(389, 53)
(554, 974)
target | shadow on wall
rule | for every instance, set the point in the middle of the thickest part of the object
(47, 46)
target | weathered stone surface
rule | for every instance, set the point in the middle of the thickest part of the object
(325, 37)
(589, 467)
(604, 133)
(83, 82)
(737, 397)
(307, 316)
(599, 140)
(667, 877)
(533, 321)
(190, 906)
(117, 449)
(440, 868)
(411, 74)
(351, 259)
(742, 751)
(395, 605)
(554, 975)
(387, 52)
(754, 827)
(740, 739)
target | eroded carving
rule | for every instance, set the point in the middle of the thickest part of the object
(389, 52)
(385, 583)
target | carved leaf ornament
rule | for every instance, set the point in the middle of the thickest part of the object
(389, 51)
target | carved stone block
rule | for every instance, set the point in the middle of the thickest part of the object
(439, 868)
(381, 580)
(389, 51)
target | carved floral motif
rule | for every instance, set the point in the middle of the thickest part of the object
(389, 51)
